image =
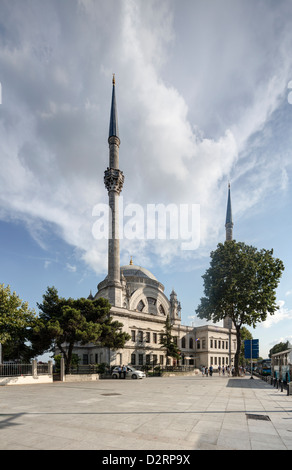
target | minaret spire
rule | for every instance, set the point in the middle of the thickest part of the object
(113, 180)
(229, 221)
(227, 322)
(113, 127)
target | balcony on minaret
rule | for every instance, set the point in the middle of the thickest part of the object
(114, 179)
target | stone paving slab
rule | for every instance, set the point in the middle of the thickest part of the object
(156, 413)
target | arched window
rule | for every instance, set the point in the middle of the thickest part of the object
(140, 306)
(191, 343)
(183, 342)
(161, 309)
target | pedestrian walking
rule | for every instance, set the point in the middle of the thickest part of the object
(203, 371)
(219, 370)
(211, 370)
(124, 370)
(120, 371)
(223, 370)
(206, 371)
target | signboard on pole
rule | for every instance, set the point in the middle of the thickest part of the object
(251, 349)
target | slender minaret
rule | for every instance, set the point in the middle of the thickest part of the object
(113, 180)
(227, 322)
(229, 222)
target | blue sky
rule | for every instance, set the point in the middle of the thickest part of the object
(203, 99)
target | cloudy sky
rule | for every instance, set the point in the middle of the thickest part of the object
(204, 96)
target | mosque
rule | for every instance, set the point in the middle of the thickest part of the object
(139, 302)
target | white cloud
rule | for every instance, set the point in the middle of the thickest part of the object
(47, 264)
(56, 66)
(71, 268)
(282, 314)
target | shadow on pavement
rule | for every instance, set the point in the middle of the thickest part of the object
(237, 382)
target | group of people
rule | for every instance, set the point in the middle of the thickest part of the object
(227, 369)
(206, 371)
(122, 371)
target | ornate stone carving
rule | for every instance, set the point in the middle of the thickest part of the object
(114, 179)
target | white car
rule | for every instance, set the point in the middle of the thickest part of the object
(131, 373)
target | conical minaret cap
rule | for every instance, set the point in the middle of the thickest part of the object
(113, 127)
(229, 209)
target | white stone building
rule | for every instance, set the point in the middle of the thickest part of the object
(139, 302)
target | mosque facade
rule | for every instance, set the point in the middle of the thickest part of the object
(139, 302)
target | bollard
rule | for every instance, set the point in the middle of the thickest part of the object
(289, 388)
(281, 385)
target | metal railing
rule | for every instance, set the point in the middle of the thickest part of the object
(42, 368)
(11, 369)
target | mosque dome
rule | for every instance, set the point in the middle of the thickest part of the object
(131, 270)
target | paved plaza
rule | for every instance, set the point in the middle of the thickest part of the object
(156, 413)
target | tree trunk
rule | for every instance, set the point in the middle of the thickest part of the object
(237, 354)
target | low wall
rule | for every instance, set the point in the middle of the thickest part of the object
(80, 377)
(23, 379)
(26, 380)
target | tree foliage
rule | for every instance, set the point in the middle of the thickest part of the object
(16, 321)
(167, 341)
(65, 322)
(240, 283)
(279, 348)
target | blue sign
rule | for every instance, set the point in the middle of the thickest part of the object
(251, 348)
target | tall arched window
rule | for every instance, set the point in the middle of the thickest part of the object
(161, 309)
(191, 343)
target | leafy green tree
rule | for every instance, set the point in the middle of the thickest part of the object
(16, 321)
(65, 322)
(168, 343)
(279, 348)
(240, 283)
(74, 361)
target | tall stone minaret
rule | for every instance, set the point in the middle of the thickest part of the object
(229, 221)
(227, 322)
(113, 180)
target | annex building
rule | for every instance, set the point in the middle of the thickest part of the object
(138, 299)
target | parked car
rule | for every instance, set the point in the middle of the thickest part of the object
(131, 373)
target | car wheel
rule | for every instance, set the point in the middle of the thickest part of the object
(115, 376)
(134, 376)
